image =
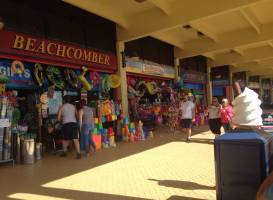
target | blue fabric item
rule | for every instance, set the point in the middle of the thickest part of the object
(86, 139)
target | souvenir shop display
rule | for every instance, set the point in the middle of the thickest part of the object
(132, 132)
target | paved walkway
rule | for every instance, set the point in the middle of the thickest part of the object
(164, 167)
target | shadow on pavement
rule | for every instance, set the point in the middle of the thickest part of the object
(201, 141)
(183, 198)
(53, 193)
(186, 185)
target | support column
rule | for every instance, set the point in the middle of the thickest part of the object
(176, 67)
(122, 93)
(209, 83)
(231, 69)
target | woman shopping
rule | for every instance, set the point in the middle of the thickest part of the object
(86, 123)
(214, 117)
(226, 115)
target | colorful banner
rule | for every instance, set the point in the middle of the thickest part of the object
(19, 81)
(26, 80)
(57, 53)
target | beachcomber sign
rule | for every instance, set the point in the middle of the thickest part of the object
(25, 45)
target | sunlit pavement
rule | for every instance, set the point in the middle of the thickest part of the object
(163, 167)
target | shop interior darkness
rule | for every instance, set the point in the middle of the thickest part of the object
(55, 19)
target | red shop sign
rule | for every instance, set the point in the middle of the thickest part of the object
(28, 47)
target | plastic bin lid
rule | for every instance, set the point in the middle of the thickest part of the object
(245, 135)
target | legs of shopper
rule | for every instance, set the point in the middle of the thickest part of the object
(77, 145)
(188, 131)
(65, 145)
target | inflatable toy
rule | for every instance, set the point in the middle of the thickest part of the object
(86, 85)
(17, 67)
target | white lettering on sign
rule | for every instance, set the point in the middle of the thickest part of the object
(7, 72)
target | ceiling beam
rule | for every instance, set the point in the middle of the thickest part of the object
(162, 5)
(101, 9)
(253, 66)
(229, 40)
(169, 39)
(239, 51)
(264, 72)
(205, 29)
(181, 12)
(250, 55)
(252, 19)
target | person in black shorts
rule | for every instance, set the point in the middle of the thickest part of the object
(188, 116)
(67, 115)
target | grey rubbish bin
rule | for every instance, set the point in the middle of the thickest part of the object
(241, 163)
(28, 151)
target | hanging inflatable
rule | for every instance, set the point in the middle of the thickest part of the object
(152, 88)
(95, 77)
(4, 79)
(55, 77)
(17, 67)
(114, 81)
(38, 74)
(86, 85)
(71, 78)
(106, 84)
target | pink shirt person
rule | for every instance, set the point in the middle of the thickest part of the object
(226, 114)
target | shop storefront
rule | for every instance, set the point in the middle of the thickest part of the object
(195, 83)
(221, 83)
(254, 83)
(149, 90)
(35, 75)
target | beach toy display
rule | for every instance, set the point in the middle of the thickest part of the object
(17, 67)
(38, 74)
(86, 85)
(54, 75)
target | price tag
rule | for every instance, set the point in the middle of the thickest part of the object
(4, 123)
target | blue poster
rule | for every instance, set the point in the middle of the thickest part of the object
(17, 81)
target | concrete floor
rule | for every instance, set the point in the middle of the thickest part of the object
(163, 167)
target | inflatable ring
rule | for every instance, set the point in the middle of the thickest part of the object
(17, 67)
(86, 85)
(55, 77)
(71, 78)
(95, 77)
(38, 74)
(114, 81)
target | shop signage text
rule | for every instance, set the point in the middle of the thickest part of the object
(51, 48)
(193, 77)
(142, 67)
(24, 45)
(153, 69)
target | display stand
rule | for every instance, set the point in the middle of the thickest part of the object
(4, 124)
(7, 161)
